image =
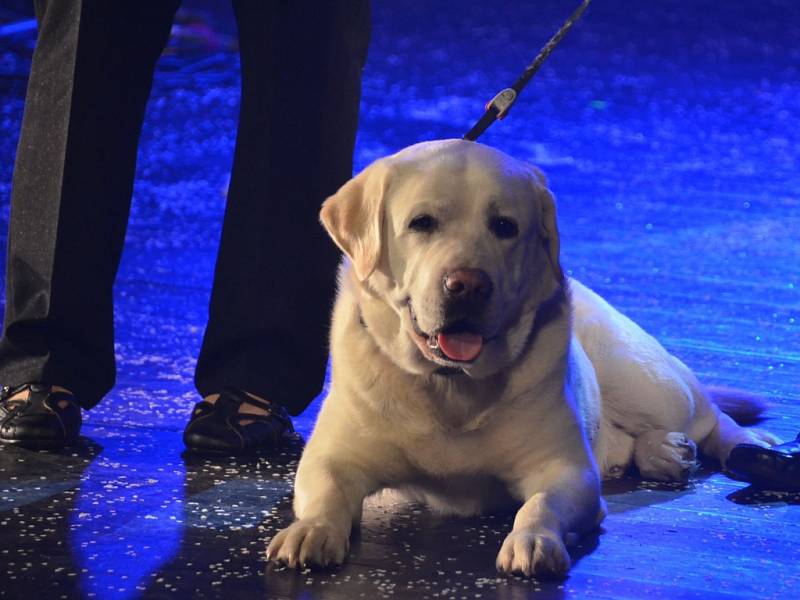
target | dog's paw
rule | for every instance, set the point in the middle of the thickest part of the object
(665, 456)
(309, 542)
(532, 552)
(759, 437)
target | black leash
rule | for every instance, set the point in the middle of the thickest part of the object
(497, 108)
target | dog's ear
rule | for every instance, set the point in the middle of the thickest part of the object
(353, 217)
(549, 223)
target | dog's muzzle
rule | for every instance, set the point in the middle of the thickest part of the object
(466, 293)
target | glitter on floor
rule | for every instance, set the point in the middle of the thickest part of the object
(670, 133)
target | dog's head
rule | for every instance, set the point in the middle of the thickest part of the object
(458, 243)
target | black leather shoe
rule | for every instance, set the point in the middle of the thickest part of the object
(38, 422)
(776, 468)
(217, 428)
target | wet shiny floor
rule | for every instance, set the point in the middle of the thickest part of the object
(670, 133)
(122, 515)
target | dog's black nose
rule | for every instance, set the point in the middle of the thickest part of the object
(471, 286)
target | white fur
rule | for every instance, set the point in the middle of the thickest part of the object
(565, 391)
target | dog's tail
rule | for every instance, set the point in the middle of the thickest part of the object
(743, 407)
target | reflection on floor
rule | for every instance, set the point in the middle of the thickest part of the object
(130, 517)
(671, 135)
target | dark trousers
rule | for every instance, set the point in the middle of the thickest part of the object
(92, 70)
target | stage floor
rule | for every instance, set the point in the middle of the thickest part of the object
(670, 133)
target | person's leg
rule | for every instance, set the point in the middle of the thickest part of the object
(90, 79)
(275, 278)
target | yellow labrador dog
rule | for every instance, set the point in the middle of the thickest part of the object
(469, 373)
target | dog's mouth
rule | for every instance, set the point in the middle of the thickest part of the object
(455, 342)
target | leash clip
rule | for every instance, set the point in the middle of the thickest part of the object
(502, 102)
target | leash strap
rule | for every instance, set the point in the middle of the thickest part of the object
(497, 108)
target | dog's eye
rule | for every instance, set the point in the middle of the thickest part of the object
(422, 224)
(503, 228)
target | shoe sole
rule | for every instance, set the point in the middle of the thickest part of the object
(214, 452)
(39, 444)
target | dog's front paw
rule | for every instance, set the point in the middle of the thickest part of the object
(533, 552)
(309, 542)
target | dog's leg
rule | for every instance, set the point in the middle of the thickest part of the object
(328, 499)
(665, 455)
(727, 433)
(561, 500)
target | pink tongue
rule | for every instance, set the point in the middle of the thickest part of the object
(460, 346)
